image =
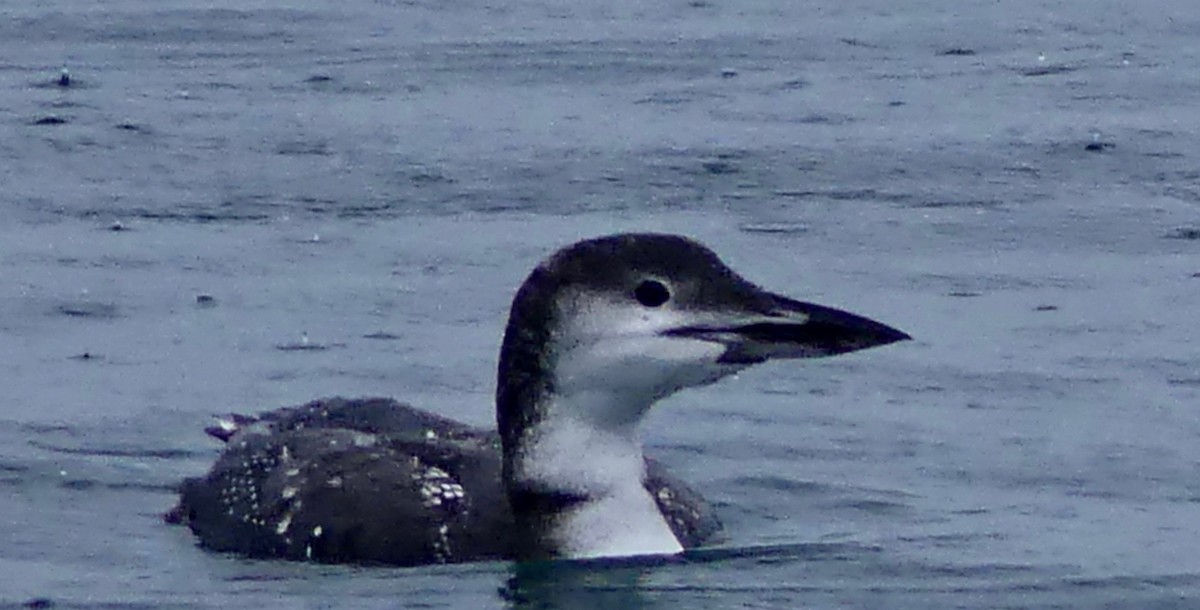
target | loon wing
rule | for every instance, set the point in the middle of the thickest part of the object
(374, 481)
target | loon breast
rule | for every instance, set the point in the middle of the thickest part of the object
(375, 481)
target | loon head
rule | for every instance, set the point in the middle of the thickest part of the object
(598, 333)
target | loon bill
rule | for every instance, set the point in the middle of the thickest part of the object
(598, 333)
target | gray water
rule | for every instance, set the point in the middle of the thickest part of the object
(357, 190)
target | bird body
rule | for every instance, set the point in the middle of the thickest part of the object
(598, 332)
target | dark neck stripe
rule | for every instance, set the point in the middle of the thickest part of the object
(535, 502)
(537, 513)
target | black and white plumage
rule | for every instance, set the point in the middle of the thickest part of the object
(374, 481)
(597, 334)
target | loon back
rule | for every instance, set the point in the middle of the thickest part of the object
(375, 481)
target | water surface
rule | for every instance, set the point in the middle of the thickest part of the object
(1014, 184)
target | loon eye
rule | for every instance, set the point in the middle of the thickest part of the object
(652, 293)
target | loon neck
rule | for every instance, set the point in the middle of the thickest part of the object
(580, 489)
(575, 484)
(573, 466)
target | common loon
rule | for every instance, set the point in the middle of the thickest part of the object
(597, 333)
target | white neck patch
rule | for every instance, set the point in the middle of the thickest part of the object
(620, 518)
(612, 361)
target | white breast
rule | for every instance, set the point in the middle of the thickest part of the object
(620, 519)
(620, 525)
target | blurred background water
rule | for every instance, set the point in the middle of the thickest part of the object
(1014, 183)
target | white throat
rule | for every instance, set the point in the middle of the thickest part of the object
(619, 519)
(611, 362)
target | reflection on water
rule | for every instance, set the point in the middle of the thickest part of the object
(576, 584)
(639, 582)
